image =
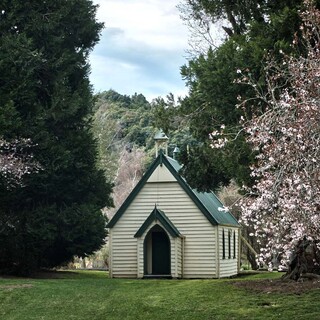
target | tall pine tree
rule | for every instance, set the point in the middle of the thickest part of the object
(46, 96)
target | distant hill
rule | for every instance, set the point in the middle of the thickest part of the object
(121, 123)
(123, 128)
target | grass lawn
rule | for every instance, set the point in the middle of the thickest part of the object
(92, 295)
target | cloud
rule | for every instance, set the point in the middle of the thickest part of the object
(141, 49)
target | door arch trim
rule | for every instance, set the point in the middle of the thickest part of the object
(157, 252)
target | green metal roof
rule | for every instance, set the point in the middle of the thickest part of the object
(155, 215)
(207, 202)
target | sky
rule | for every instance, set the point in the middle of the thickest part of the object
(141, 49)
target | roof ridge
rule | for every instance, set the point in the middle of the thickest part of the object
(202, 200)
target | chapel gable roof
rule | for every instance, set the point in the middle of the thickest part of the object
(158, 215)
(207, 202)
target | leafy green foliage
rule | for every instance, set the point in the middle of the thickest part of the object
(46, 96)
(257, 28)
(238, 15)
(121, 123)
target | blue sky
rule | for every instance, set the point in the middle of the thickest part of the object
(141, 49)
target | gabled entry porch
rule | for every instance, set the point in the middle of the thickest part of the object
(159, 247)
(157, 253)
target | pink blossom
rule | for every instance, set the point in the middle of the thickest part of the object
(284, 203)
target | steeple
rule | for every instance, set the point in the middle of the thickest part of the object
(161, 141)
(175, 152)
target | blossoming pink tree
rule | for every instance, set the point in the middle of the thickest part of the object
(15, 162)
(283, 206)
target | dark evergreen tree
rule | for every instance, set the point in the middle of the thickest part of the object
(253, 28)
(46, 96)
(238, 15)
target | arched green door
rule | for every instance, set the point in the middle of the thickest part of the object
(157, 252)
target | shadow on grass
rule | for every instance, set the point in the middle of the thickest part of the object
(61, 274)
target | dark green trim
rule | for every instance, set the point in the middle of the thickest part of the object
(200, 199)
(159, 215)
(229, 244)
(134, 192)
(190, 192)
(223, 245)
(234, 244)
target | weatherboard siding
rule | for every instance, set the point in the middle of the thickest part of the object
(161, 173)
(110, 254)
(197, 254)
(199, 244)
(179, 244)
(228, 266)
(199, 249)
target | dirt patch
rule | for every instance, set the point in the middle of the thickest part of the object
(11, 287)
(278, 286)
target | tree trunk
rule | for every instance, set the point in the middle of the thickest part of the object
(304, 262)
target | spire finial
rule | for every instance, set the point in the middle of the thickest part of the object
(175, 152)
(161, 140)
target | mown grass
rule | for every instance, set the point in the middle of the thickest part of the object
(92, 295)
